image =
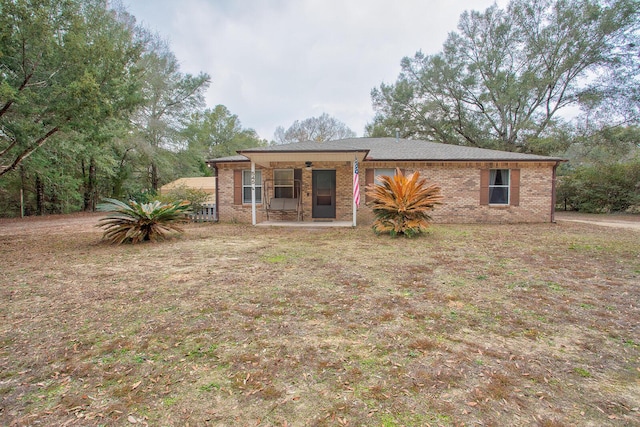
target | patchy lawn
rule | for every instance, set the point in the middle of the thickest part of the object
(233, 325)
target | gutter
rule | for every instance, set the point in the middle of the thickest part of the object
(553, 194)
(215, 174)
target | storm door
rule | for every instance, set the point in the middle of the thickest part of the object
(324, 194)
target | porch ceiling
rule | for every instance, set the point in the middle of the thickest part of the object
(265, 159)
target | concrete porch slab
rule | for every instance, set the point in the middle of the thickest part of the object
(305, 224)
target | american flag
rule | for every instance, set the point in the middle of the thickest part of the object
(356, 184)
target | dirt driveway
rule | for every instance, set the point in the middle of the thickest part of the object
(630, 222)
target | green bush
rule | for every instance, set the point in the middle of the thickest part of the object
(195, 197)
(135, 222)
(601, 188)
(143, 196)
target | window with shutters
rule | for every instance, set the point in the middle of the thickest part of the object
(500, 187)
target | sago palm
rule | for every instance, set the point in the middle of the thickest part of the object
(402, 204)
(135, 222)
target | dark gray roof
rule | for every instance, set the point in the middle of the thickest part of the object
(384, 149)
(236, 158)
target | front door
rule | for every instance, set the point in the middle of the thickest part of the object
(324, 194)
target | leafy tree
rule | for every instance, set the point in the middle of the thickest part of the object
(71, 74)
(607, 145)
(402, 204)
(218, 133)
(503, 78)
(169, 97)
(319, 129)
(67, 74)
(64, 66)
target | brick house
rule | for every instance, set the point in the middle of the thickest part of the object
(313, 181)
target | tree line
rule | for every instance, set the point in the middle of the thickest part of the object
(94, 105)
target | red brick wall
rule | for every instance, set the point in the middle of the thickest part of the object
(228, 212)
(460, 183)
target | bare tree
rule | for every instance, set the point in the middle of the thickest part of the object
(319, 129)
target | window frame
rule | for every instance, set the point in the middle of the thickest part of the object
(247, 185)
(492, 186)
(290, 183)
(377, 173)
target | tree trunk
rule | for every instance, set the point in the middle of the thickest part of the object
(39, 196)
(154, 176)
(54, 203)
(121, 176)
(90, 187)
(93, 179)
(23, 191)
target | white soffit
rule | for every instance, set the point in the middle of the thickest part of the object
(265, 159)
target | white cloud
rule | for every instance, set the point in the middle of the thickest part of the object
(276, 61)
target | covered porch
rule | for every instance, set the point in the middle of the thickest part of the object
(322, 181)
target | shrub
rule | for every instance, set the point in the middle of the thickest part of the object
(143, 196)
(402, 204)
(135, 222)
(601, 188)
(195, 196)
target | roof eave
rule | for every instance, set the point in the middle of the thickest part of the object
(495, 160)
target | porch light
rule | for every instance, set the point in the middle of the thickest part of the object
(308, 165)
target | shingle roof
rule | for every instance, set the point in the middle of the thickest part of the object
(236, 158)
(384, 149)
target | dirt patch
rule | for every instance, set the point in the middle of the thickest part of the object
(235, 325)
(57, 224)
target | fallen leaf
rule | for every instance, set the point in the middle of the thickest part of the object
(136, 385)
(132, 419)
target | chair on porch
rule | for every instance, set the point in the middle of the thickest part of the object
(282, 201)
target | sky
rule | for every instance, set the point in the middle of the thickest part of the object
(273, 62)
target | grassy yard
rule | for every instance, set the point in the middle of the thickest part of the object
(229, 325)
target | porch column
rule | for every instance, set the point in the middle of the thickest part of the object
(253, 193)
(354, 207)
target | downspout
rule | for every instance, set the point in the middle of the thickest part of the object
(253, 193)
(553, 193)
(217, 206)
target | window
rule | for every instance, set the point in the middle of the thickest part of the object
(246, 186)
(372, 176)
(499, 187)
(283, 183)
(381, 172)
